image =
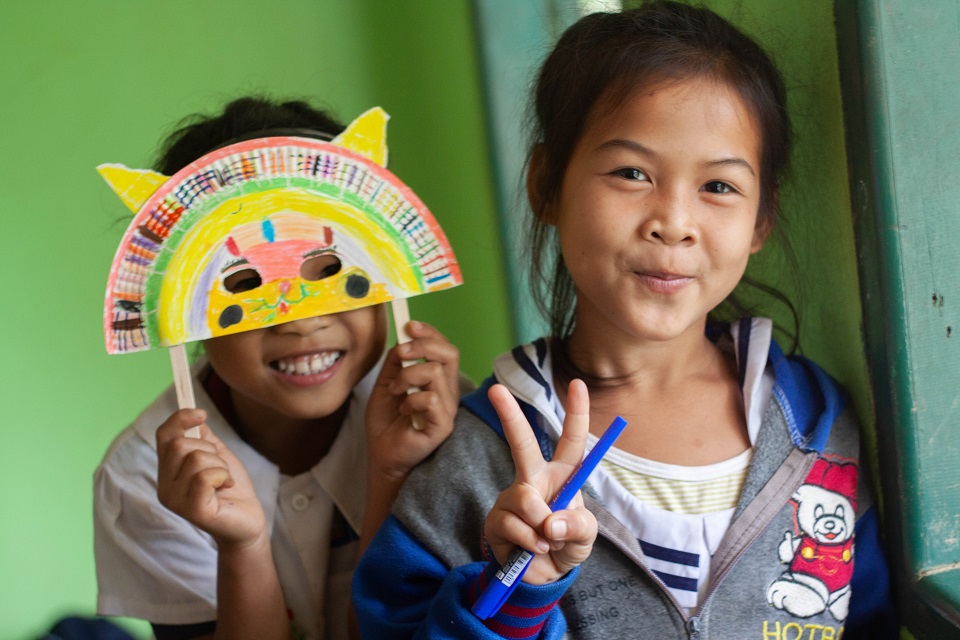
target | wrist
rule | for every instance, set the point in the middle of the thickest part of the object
(245, 547)
(386, 476)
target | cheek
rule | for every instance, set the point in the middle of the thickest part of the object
(368, 327)
(230, 353)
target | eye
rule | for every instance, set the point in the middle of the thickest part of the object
(242, 280)
(630, 173)
(318, 267)
(718, 186)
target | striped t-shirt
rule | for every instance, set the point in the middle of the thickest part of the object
(695, 490)
(674, 512)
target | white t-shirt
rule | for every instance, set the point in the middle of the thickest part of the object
(154, 565)
(677, 546)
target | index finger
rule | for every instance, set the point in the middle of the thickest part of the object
(576, 425)
(177, 424)
(524, 448)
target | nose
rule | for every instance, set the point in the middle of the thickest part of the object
(304, 326)
(668, 220)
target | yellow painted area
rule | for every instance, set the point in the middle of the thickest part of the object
(367, 135)
(262, 307)
(134, 186)
(245, 213)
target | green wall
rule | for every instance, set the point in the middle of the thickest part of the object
(821, 277)
(900, 61)
(103, 81)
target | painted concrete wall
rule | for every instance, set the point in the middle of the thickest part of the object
(103, 81)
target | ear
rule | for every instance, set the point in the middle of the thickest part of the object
(764, 226)
(536, 174)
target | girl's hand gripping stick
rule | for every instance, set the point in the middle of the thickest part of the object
(509, 575)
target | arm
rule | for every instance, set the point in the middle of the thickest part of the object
(400, 590)
(200, 480)
(394, 446)
(873, 613)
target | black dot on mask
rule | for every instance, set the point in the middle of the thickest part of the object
(231, 316)
(357, 286)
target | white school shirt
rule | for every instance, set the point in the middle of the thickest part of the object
(677, 546)
(153, 565)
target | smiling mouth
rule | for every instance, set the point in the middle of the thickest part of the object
(307, 365)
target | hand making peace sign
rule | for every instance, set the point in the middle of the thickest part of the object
(521, 515)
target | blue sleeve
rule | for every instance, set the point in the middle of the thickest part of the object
(873, 611)
(400, 590)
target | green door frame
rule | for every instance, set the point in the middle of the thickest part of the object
(900, 74)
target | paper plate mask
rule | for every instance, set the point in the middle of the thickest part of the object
(268, 231)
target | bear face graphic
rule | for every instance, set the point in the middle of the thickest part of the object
(820, 549)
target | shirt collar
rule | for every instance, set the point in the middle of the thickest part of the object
(528, 373)
(342, 473)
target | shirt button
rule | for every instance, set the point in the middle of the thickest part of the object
(300, 502)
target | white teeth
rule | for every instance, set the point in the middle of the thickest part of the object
(307, 365)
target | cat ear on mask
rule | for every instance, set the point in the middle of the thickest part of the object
(133, 186)
(367, 135)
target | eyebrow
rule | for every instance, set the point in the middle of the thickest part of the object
(636, 147)
(234, 263)
(319, 252)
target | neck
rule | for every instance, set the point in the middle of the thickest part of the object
(295, 445)
(633, 378)
(613, 362)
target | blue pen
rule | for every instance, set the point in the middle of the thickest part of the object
(508, 576)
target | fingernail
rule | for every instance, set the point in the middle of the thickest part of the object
(558, 529)
(543, 546)
(404, 349)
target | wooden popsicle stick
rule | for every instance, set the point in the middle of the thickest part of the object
(183, 383)
(401, 316)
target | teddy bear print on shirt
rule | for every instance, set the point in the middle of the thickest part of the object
(820, 550)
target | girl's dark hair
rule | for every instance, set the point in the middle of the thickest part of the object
(606, 57)
(199, 134)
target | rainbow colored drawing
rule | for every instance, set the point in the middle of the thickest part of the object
(268, 231)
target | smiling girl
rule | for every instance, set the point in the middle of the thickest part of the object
(731, 506)
(252, 530)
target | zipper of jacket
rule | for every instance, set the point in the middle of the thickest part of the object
(691, 622)
(715, 582)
